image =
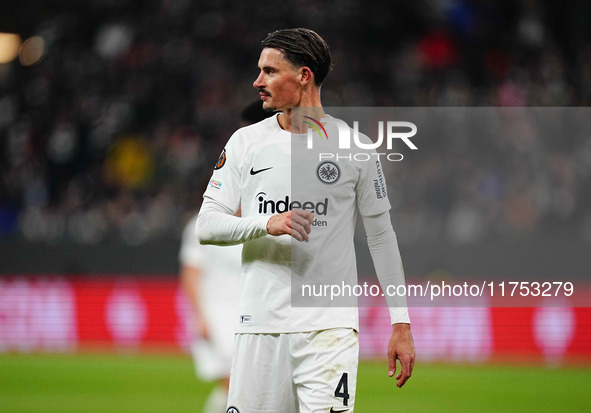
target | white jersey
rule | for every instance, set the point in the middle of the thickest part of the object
(256, 173)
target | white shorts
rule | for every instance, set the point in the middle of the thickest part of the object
(294, 373)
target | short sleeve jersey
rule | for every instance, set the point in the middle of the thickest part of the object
(265, 170)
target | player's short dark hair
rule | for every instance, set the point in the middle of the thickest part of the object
(302, 47)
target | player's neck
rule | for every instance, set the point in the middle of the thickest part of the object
(294, 122)
(308, 106)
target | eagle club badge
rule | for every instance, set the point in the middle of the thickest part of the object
(221, 160)
(328, 172)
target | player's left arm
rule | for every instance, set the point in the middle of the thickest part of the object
(383, 246)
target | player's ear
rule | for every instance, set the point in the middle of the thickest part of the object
(306, 75)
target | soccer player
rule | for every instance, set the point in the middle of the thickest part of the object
(289, 358)
(210, 277)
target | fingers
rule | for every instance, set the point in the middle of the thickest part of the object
(297, 223)
(301, 224)
(391, 364)
(405, 371)
(407, 362)
(401, 347)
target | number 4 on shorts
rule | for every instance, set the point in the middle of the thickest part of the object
(342, 389)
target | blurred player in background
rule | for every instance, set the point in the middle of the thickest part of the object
(210, 277)
(297, 359)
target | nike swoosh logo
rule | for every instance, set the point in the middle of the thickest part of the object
(332, 410)
(253, 172)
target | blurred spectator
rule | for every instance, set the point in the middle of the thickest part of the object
(114, 112)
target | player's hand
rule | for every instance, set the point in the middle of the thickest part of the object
(203, 330)
(297, 223)
(401, 347)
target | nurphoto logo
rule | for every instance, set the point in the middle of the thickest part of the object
(387, 131)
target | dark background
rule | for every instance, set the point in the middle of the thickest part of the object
(107, 140)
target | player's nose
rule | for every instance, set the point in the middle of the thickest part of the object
(258, 83)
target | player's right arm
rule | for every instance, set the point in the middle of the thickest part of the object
(216, 225)
(216, 222)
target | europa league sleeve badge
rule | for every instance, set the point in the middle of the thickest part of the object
(221, 160)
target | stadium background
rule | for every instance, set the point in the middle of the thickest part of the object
(112, 113)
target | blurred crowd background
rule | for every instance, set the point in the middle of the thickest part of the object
(114, 111)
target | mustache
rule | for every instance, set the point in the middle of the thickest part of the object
(266, 92)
